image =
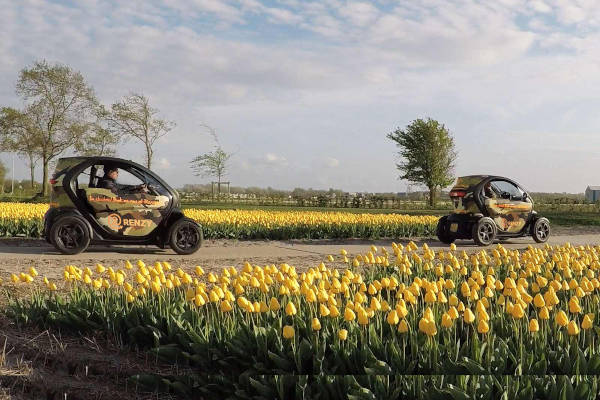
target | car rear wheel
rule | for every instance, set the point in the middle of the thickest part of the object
(484, 231)
(541, 230)
(70, 234)
(185, 236)
(442, 232)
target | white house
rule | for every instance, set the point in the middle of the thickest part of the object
(592, 193)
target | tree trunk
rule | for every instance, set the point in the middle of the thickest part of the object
(148, 156)
(45, 177)
(32, 172)
(432, 196)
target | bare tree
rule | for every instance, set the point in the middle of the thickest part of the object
(59, 108)
(101, 141)
(134, 118)
(212, 164)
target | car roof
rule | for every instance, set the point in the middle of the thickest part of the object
(66, 163)
(469, 182)
(95, 158)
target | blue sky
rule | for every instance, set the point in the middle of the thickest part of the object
(304, 92)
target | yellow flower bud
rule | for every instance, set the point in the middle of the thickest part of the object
(533, 325)
(288, 332)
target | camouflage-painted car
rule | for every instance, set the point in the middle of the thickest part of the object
(82, 212)
(489, 207)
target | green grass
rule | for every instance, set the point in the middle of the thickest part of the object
(572, 219)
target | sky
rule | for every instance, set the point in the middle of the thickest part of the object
(305, 92)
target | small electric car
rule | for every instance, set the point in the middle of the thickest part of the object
(491, 207)
(141, 210)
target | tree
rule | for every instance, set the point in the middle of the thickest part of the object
(18, 134)
(59, 109)
(212, 164)
(133, 117)
(3, 172)
(427, 153)
(101, 141)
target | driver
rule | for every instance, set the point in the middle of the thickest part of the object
(109, 181)
(488, 191)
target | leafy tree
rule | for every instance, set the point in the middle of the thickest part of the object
(59, 110)
(133, 117)
(212, 164)
(427, 153)
(18, 134)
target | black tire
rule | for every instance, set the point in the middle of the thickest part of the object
(484, 231)
(541, 230)
(442, 233)
(185, 236)
(70, 234)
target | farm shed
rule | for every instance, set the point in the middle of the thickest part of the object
(592, 193)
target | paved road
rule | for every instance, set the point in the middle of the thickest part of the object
(227, 250)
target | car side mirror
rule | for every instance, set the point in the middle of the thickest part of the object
(525, 196)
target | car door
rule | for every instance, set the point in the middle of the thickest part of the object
(509, 206)
(130, 213)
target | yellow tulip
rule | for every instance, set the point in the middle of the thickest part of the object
(315, 324)
(225, 306)
(392, 318)
(482, 326)
(468, 316)
(274, 304)
(343, 334)
(349, 315)
(588, 321)
(533, 325)
(290, 309)
(518, 312)
(403, 326)
(573, 328)
(574, 306)
(561, 318)
(538, 301)
(446, 320)
(288, 332)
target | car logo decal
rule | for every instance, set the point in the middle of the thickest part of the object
(114, 222)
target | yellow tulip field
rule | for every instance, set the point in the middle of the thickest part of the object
(27, 220)
(396, 322)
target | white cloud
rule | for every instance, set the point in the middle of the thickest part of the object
(306, 77)
(332, 162)
(275, 159)
(164, 163)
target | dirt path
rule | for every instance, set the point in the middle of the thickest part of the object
(19, 254)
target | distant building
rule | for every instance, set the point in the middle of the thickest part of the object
(592, 193)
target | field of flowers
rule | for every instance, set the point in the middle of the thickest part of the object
(494, 324)
(23, 219)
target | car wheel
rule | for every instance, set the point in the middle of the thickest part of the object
(484, 231)
(70, 234)
(442, 231)
(185, 236)
(541, 230)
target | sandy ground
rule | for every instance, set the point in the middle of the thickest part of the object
(19, 254)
